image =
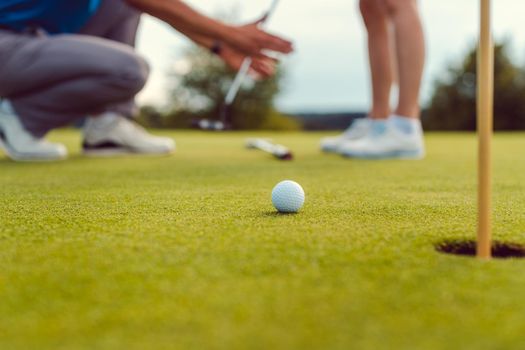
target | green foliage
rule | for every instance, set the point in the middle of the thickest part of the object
(279, 122)
(453, 105)
(200, 92)
(149, 116)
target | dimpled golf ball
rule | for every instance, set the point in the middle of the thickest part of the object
(288, 197)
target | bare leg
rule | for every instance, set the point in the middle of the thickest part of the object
(402, 136)
(410, 50)
(376, 21)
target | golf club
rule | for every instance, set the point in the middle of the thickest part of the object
(224, 123)
(278, 151)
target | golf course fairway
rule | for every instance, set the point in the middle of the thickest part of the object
(187, 252)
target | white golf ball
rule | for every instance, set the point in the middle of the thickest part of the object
(288, 197)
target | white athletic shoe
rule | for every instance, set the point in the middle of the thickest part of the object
(111, 134)
(398, 137)
(20, 145)
(358, 129)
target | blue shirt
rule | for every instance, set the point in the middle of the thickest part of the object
(54, 16)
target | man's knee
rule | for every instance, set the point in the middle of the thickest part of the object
(132, 73)
(114, 65)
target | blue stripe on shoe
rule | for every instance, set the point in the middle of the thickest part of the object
(416, 154)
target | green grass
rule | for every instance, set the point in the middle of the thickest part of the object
(186, 252)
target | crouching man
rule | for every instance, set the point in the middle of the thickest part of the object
(62, 60)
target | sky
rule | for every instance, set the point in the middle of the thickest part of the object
(329, 70)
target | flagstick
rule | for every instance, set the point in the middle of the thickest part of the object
(485, 102)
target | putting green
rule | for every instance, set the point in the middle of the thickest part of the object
(186, 252)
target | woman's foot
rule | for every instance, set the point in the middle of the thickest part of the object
(358, 129)
(396, 138)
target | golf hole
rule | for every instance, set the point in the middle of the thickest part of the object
(500, 250)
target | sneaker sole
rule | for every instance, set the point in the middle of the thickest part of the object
(106, 153)
(328, 150)
(405, 155)
(120, 152)
(335, 148)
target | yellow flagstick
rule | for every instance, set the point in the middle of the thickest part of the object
(485, 107)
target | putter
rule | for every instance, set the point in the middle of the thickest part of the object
(278, 151)
(224, 123)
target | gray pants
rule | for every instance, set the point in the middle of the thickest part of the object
(52, 81)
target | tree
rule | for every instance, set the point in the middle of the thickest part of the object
(200, 87)
(453, 105)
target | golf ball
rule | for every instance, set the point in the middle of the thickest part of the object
(288, 197)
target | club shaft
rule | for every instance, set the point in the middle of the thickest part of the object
(237, 82)
(485, 105)
(266, 146)
(270, 12)
(246, 64)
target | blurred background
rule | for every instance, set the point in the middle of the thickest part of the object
(324, 85)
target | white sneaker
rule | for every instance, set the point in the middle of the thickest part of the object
(20, 145)
(112, 134)
(358, 129)
(398, 137)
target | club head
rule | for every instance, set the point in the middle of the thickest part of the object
(210, 125)
(279, 152)
(282, 153)
(285, 156)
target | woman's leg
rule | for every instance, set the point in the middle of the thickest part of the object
(381, 71)
(410, 49)
(380, 56)
(401, 136)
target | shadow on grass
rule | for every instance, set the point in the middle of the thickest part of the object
(75, 158)
(276, 214)
(463, 247)
(80, 158)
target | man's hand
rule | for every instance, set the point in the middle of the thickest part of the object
(240, 41)
(251, 40)
(262, 66)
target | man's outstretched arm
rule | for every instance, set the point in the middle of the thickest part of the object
(250, 40)
(263, 66)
